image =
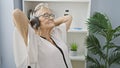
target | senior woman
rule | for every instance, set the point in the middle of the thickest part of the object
(44, 38)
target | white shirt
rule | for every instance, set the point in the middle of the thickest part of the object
(42, 54)
(20, 50)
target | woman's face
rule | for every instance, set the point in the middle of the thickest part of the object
(46, 18)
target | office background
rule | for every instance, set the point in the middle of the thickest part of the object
(109, 7)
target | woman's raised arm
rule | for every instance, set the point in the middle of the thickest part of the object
(65, 19)
(21, 23)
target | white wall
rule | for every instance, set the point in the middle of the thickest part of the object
(6, 33)
(18, 4)
(0, 34)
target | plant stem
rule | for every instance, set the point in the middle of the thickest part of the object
(107, 58)
(107, 54)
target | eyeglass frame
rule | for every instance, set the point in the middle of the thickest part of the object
(48, 16)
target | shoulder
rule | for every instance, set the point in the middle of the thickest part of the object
(59, 31)
(60, 28)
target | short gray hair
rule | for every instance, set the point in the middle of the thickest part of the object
(40, 6)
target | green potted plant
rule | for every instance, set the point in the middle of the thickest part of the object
(73, 49)
(102, 53)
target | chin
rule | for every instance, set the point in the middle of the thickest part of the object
(50, 26)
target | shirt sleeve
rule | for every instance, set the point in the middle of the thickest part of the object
(61, 31)
(19, 47)
(32, 46)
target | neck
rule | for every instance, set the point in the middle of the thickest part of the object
(45, 33)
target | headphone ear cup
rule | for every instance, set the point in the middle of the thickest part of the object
(35, 23)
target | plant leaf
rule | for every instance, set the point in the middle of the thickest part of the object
(98, 22)
(117, 29)
(117, 49)
(116, 35)
(114, 58)
(94, 63)
(116, 32)
(109, 46)
(93, 45)
(93, 60)
(95, 66)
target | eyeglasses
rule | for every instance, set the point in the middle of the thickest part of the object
(46, 15)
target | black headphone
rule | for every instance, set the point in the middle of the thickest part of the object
(35, 22)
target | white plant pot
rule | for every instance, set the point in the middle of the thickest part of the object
(73, 53)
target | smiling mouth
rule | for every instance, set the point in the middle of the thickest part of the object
(50, 21)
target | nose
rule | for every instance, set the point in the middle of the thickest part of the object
(51, 17)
